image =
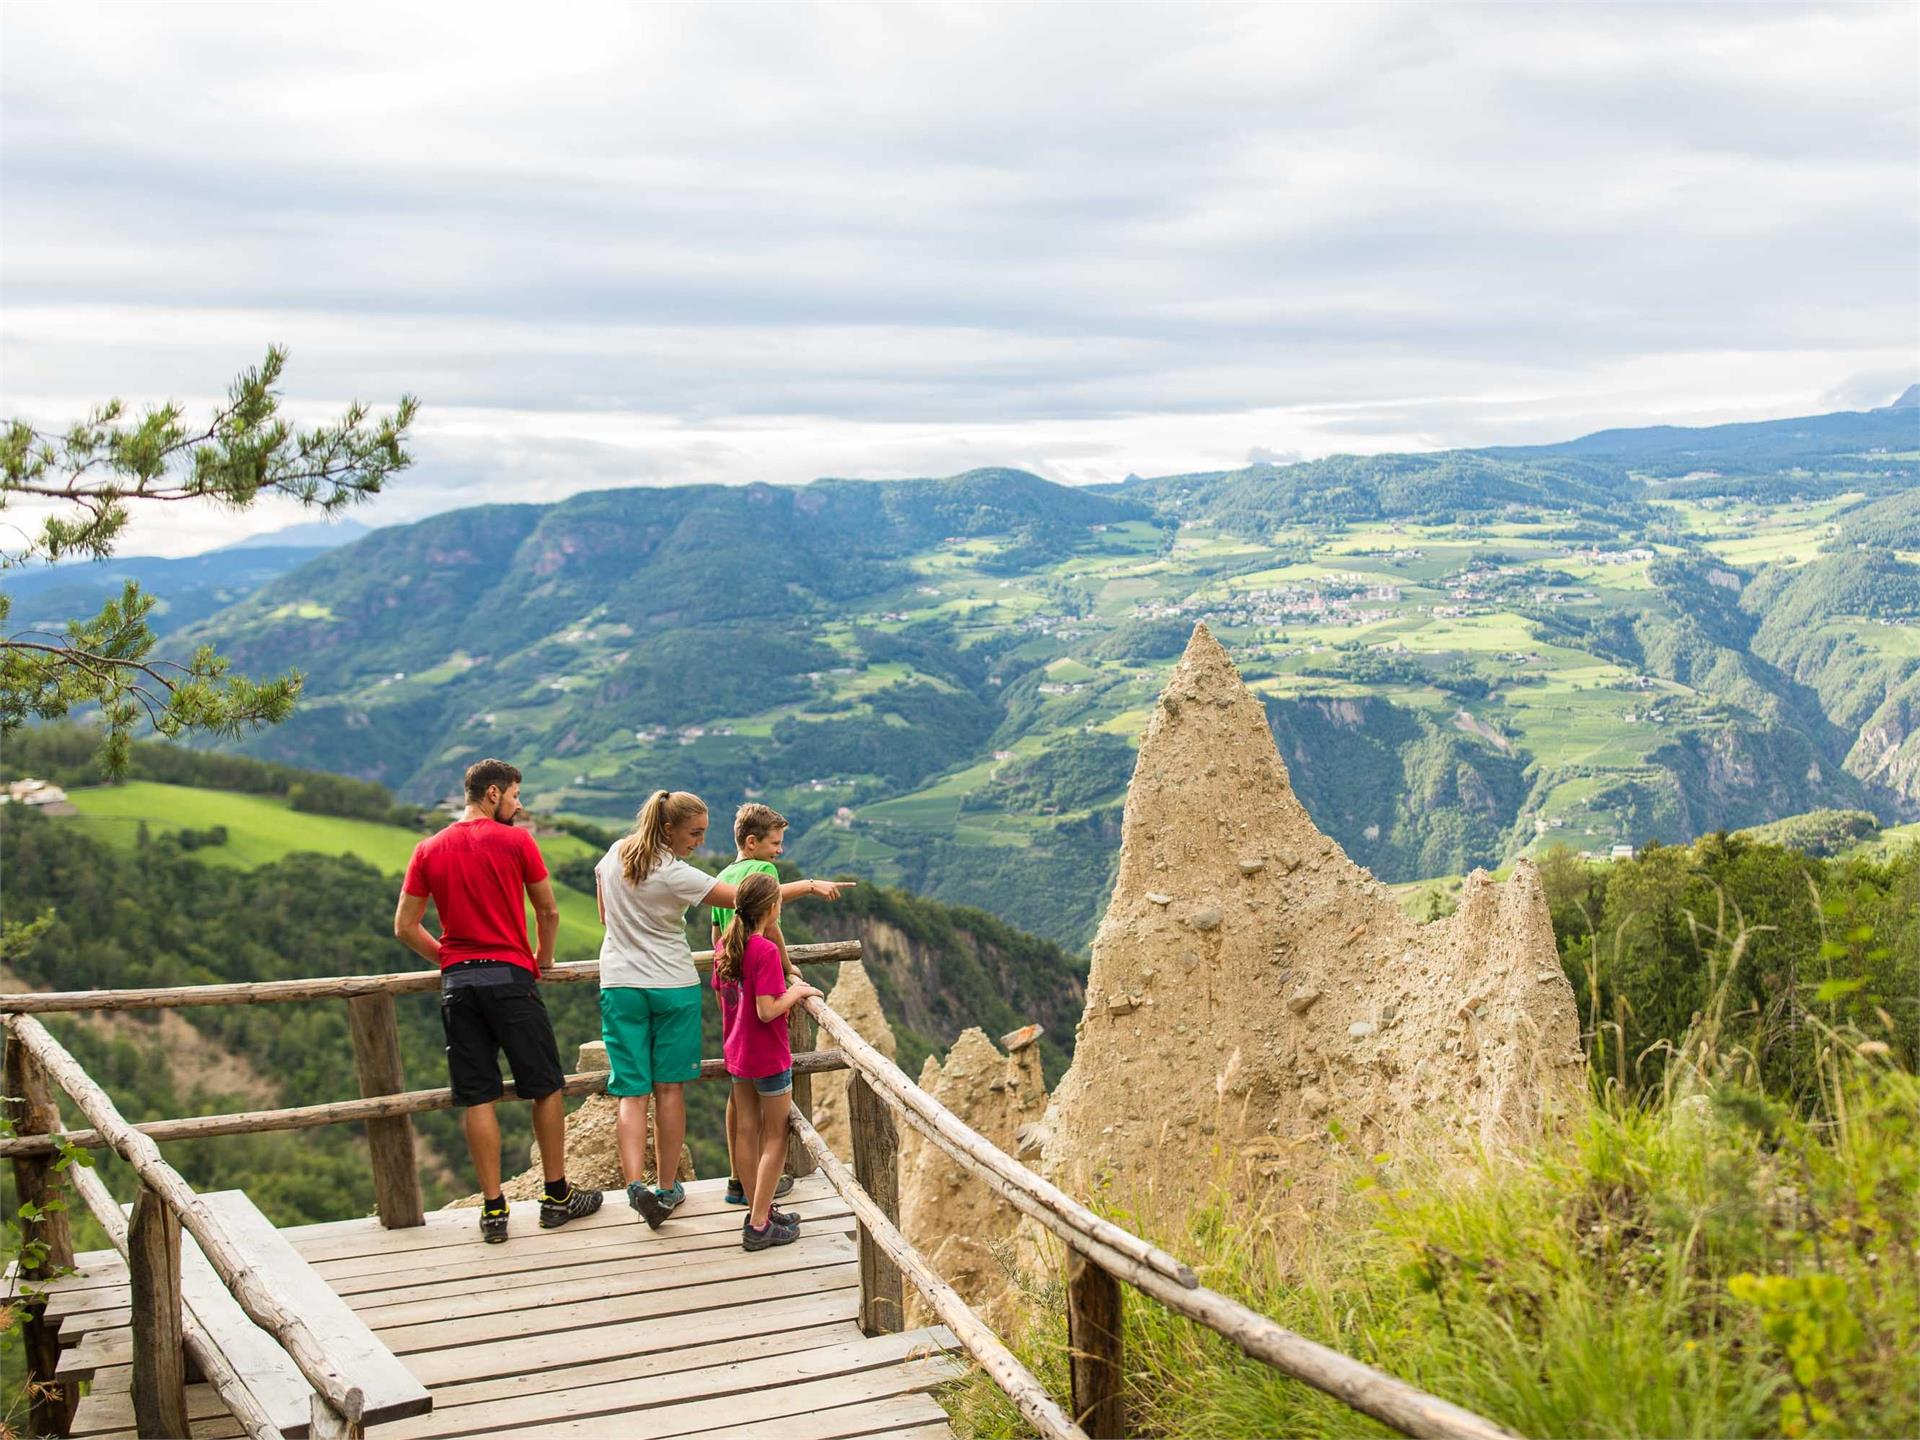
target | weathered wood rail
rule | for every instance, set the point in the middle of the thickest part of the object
(1102, 1258)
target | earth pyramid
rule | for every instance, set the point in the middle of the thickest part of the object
(855, 1000)
(1256, 998)
(966, 1231)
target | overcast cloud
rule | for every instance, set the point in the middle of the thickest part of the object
(654, 245)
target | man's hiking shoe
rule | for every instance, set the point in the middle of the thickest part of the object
(672, 1198)
(737, 1193)
(493, 1225)
(647, 1204)
(774, 1234)
(580, 1201)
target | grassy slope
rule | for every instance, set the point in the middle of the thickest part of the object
(262, 829)
(1708, 1268)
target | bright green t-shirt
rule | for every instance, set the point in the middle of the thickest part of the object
(733, 875)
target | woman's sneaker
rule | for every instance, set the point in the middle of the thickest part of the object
(737, 1193)
(774, 1234)
(646, 1204)
(580, 1201)
(673, 1197)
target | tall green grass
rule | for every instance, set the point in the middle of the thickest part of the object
(1708, 1263)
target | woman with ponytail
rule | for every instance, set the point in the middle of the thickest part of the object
(649, 991)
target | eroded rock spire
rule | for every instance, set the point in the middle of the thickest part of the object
(1254, 993)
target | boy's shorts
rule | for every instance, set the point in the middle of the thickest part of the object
(652, 1035)
(488, 1007)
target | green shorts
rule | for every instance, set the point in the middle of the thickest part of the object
(652, 1035)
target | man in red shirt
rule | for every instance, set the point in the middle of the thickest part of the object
(479, 872)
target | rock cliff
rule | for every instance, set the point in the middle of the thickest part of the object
(1257, 1000)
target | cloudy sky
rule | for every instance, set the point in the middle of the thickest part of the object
(658, 244)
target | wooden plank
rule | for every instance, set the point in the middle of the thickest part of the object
(159, 1341)
(610, 1281)
(898, 1417)
(100, 1347)
(465, 1351)
(876, 1165)
(113, 1409)
(766, 1407)
(731, 1346)
(633, 1398)
(543, 1248)
(390, 1392)
(611, 1274)
(705, 1209)
(636, 1342)
(549, 1320)
(1095, 1326)
(265, 1371)
(376, 1063)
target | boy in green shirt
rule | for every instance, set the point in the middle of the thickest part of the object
(759, 837)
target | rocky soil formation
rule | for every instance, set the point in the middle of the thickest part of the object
(593, 1154)
(858, 1003)
(963, 1228)
(1255, 994)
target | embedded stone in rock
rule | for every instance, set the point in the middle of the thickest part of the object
(1143, 1105)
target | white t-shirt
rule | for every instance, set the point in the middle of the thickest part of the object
(646, 944)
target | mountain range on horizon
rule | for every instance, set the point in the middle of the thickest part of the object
(1465, 654)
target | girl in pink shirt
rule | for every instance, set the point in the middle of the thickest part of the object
(754, 999)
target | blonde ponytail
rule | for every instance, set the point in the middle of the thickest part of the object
(752, 899)
(645, 846)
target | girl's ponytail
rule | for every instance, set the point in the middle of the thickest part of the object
(752, 899)
(645, 845)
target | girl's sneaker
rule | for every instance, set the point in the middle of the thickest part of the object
(737, 1193)
(774, 1234)
(671, 1198)
(646, 1204)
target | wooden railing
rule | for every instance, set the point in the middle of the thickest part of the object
(150, 1242)
(1101, 1257)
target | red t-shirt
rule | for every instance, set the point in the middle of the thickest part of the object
(477, 872)
(754, 1048)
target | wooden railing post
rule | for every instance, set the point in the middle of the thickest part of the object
(800, 1033)
(376, 1058)
(159, 1337)
(35, 1182)
(1094, 1317)
(876, 1165)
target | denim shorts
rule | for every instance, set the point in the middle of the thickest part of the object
(779, 1084)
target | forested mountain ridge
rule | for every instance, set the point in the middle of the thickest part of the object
(1464, 655)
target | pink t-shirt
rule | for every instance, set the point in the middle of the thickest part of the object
(754, 1048)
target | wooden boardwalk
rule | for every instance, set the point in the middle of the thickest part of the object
(601, 1328)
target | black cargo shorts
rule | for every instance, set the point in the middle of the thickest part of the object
(489, 1006)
